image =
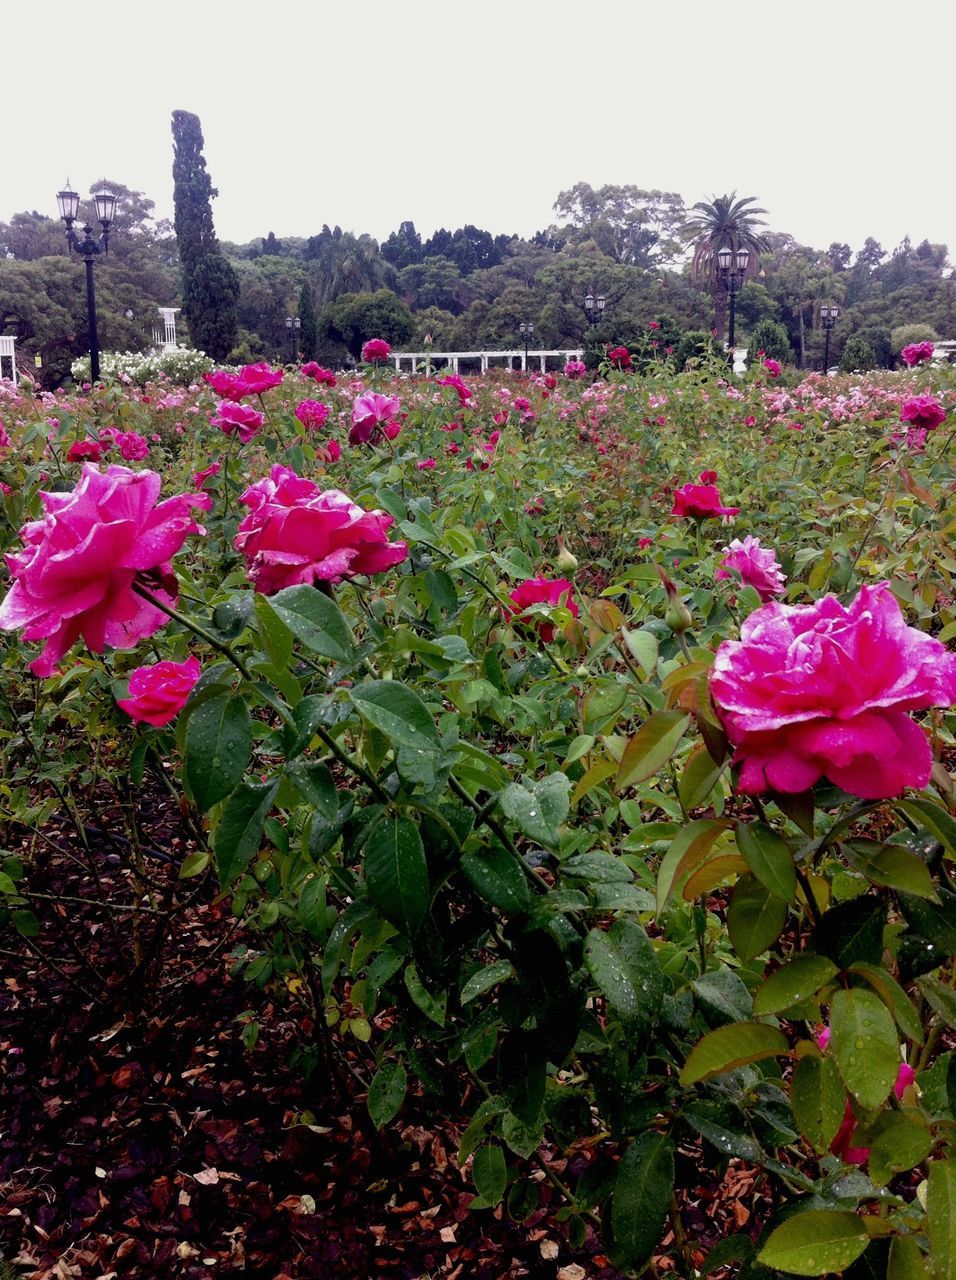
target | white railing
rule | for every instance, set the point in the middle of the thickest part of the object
(451, 359)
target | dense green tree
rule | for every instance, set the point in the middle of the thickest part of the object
(435, 282)
(353, 318)
(723, 222)
(641, 228)
(210, 284)
(772, 339)
(858, 356)
(403, 248)
(309, 331)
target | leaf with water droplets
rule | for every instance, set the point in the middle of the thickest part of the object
(815, 1242)
(865, 1045)
(538, 808)
(730, 1047)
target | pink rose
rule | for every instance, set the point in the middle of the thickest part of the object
(374, 415)
(825, 690)
(297, 533)
(200, 477)
(575, 369)
(757, 566)
(330, 451)
(81, 560)
(375, 349)
(226, 385)
(454, 380)
(700, 501)
(312, 414)
(772, 366)
(426, 464)
(708, 477)
(238, 419)
(324, 377)
(131, 445)
(917, 352)
(86, 451)
(259, 377)
(551, 591)
(619, 357)
(158, 691)
(924, 412)
(4, 438)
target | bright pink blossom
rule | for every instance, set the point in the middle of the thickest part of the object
(238, 419)
(158, 691)
(374, 415)
(86, 451)
(575, 369)
(375, 349)
(297, 533)
(757, 566)
(924, 412)
(550, 591)
(825, 690)
(772, 366)
(324, 377)
(4, 438)
(455, 380)
(259, 377)
(132, 446)
(619, 357)
(225, 384)
(917, 352)
(700, 501)
(312, 414)
(426, 464)
(200, 477)
(76, 573)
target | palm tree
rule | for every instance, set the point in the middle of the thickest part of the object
(723, 222)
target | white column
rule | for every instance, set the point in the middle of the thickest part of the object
(454, 364)
(484, 363)
(542, 364)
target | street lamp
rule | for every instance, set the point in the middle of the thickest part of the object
(828, 316)
(732, 268)
(594, 307)
(293, 324)
(68, 203)
(527, 332)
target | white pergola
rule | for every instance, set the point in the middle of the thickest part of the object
(8, 350)
(451, 359)
(164, 338)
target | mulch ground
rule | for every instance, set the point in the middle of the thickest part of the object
(148, 1141)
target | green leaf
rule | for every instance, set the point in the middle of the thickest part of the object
(194, 864)
(691, 844)
(852, 931)
(818, 1098)
(651, 747)
(644, 647)
(940, 998)
(490, 1174)
(386, 1093)
(640, 1199)
(218, 747)
(793, 982)
(25, 922)
(6, 884)
(934, 819)
(731, 1047)
(865, 1045)
(941, 1211)
(432, 1006)
(769, 858)
(721, 992)
(277, 639)
(538, 808)
(238, 835)
(523, 1139)
(755, 918)
(314, 782)
(699, 778)
(316, 620)
(484, 979)
(898, 1141)
(906, 1260)
(815, 1243)
(894, 997)
(397, 873)
(623, 963)
(891, 865)
(495, 876)
(398, 712)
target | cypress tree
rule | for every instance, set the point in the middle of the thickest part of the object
(210, 283)
(308, 333)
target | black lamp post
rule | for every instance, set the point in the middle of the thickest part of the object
(527, 332)
(68, 203)
(828, 316)
(293, 324)
(732, 268)
(594, 307)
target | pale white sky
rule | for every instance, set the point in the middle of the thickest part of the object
(837, 114)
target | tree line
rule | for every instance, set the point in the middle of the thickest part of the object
(653, 259)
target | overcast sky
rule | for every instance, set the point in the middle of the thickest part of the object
(837, 114)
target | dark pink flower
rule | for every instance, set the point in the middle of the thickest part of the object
(917, 352)
(772, 366)
(549, 591)
(132, 446)
(259, 377)
(426, 464)
(375, 349)
(825, 690)
(158, 691)
(225, 384)
(644, 543)
(708, 477)
(575, 369)
(312, 414)
(81, 560)
(619, 357)
(454, 380)
(924, 412)
(297, 533)
(757, 566)
(200, 477)
(700, 501)
(86, 451)
(373, 415)
(238, 419)
(841, 1144)
(324, 377)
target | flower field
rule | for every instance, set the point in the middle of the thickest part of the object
(569, 762)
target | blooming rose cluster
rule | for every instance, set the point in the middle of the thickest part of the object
(823, 690)
(312, 414)
(374, 415)
(455, 380)
(238, 419)
(923, 413)
(251, 380)
(158, 691)
(375, 349)
(757, 566)
(76, 574)
(297, 533)
(916, 352)
(324, 377)
(550, 591)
